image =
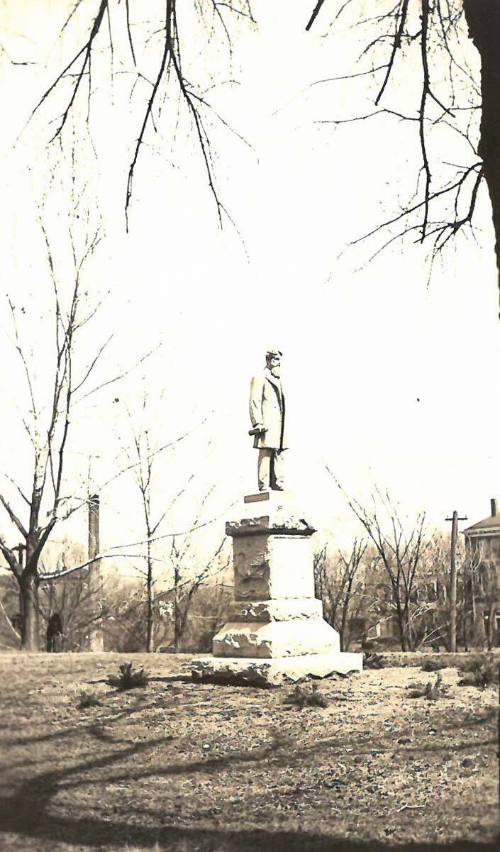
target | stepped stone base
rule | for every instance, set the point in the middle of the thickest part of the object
(253, 671)
(275, 633)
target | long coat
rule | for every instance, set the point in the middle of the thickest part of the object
(267, 409)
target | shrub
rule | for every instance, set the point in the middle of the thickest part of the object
(479, 671)
(302, 697)
(429, 690)
(373, 661)
(433, 664)
(128, 679)
(88, 699)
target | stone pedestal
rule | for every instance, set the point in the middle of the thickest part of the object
(277, 632)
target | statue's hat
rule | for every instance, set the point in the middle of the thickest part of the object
(274, 352)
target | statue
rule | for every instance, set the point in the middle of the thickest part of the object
(267, 414)
(276, 633)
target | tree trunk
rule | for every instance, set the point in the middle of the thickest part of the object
(344, 637)
(30, 616)
(410, 642)
(491, 635)
(464, 615)
(331, 613)
(149, 585)
(401, 622)
(483, 20)
(177, 628)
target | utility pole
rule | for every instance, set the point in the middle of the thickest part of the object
(453, 580)
(95, 637)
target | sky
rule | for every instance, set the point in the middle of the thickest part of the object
(391, 378)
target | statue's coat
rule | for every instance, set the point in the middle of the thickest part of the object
(267, 409)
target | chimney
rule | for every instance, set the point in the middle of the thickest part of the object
(493, 506)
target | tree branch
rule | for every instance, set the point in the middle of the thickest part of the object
(12, 515)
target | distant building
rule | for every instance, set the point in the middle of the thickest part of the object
(482, 541)
(485, 536)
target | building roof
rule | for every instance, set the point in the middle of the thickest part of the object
(488, 525)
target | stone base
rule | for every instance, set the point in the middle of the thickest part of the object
(275, 633)
(252, 671)
(276, 639)
(276, 609)
(268, 512)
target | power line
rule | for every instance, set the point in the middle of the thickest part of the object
(179, 533)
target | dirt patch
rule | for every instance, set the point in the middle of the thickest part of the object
(185, 766)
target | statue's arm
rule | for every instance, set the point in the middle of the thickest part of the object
(256, 391)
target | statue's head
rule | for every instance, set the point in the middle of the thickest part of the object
(273, 360)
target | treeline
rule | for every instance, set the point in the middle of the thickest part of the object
(394, 595)
(185, 619)
(400, 599)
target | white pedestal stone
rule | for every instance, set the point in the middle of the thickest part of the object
(277, 632)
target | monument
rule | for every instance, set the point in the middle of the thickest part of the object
(276, 632)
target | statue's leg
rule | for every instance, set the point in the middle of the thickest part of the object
(264, 468)
(277, 482)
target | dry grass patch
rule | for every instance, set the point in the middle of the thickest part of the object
(184, 766)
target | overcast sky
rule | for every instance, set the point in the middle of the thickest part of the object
(391, 379)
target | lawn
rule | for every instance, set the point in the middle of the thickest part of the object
(184, 766)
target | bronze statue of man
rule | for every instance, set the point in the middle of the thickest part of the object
(267, 414)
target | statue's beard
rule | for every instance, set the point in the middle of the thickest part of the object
(275, 371)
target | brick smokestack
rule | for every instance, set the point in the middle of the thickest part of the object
(94, 526)
(95, 636)
(493, 506)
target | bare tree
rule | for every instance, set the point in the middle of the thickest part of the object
(125, 624)
(480, 594)
(47, 422)
(143, 472)
(190, 572)
(152, 54)
(10, 622)
(187, 582)
(78, 602)
(432, 599)
(145, 454)
(399, 546)
(475, 592)
(434, 36)
(340, 585)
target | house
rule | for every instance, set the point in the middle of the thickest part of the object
(482, 541)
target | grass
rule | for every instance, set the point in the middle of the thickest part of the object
(184, 766)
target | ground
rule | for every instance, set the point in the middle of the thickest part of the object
(184, 766)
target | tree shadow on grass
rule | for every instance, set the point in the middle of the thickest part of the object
(108, 716)
(27, 812)
(92, 833)
(179, 678)
(151, 679)
(486, 716)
